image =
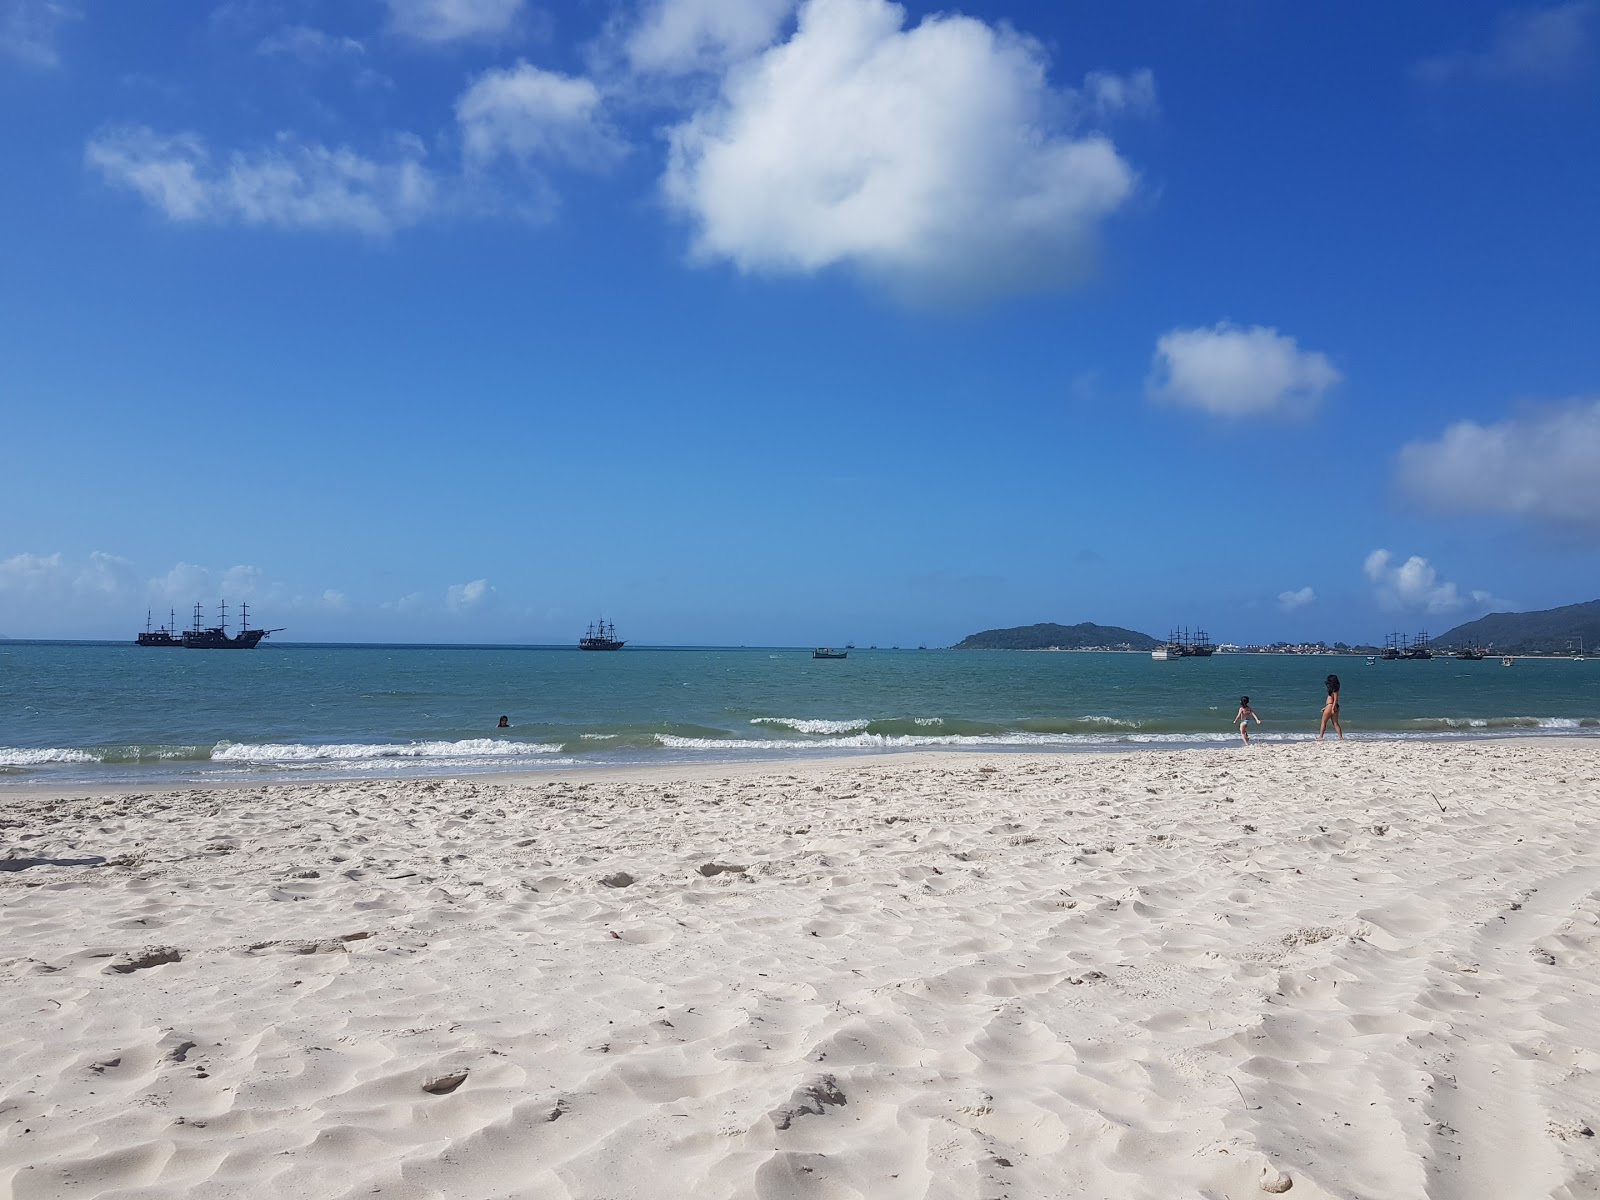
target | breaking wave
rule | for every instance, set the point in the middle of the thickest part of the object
(297, 752)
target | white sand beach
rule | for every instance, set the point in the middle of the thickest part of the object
(1360, 970)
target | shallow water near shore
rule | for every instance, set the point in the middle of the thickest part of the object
(116, 713)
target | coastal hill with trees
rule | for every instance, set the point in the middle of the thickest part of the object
(1086, 636)
(1548, 631)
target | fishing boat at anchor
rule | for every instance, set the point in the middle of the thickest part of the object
(829, 652)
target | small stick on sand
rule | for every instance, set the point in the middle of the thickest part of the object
(1240, 1090)
(1436, 801)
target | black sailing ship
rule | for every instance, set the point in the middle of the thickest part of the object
(166, 635)
(215, 637)
(602, 635)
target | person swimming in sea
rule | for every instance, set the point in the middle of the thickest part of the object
(505, 723)
(1243, 717)
(1330, 710)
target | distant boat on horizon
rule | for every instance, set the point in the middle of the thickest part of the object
(215, 637)
(166, 635)
(601, 635)
(1182, 644)
(829, 652)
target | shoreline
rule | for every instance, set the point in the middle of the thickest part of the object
(760, 760)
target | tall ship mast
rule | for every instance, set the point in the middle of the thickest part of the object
(167, 635)
(601, 635)
(215, 637)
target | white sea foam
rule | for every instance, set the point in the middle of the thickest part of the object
(1499, 723)
(15, 756)
(807, 725)
(884, 741)
(296, 752)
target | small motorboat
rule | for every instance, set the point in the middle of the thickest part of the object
(829, 652)
(1506, 661)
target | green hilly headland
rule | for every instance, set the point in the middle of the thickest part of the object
(1548, 631)
(1058, 637)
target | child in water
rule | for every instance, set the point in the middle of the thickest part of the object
(1243, 717)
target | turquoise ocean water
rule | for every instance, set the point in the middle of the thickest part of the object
(116, 713)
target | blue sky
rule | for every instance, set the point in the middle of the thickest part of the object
(765, 322)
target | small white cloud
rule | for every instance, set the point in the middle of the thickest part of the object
(287, 185)
(529, 114)
(454, 20)
(1542, 465)
(1550, 44)
(334, 601)
(1111, 95)
(463, 596)
(1233, 372)
(1415, 584)
(406, 604)
(309, 45)
(1289, 601)
(679, 37)
(28, 29)
(933, 160)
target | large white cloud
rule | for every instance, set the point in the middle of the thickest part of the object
(526, 113)
(289, 184)
(1543, 465)
(453, 20)
(1233, 372)
(677, 37)
(931, 159)
(1550, 43)
(1415, 584)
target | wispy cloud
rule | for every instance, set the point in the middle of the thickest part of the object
(1550, 44)
(29, 28)
(1232, 372)
(288, 184)
(454, 20)
(681, 37)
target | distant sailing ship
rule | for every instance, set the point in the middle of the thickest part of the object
(166, 635)
(215, 637)
(1183, 644)
(602, 635)
(1399, 646)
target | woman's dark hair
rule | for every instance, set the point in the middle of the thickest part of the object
(1333, 684)
(1244, 701)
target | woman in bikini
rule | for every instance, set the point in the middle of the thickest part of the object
(1243, 717)
(1330, 710)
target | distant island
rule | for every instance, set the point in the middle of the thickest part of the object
(1548, 631)
(1087, 636)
